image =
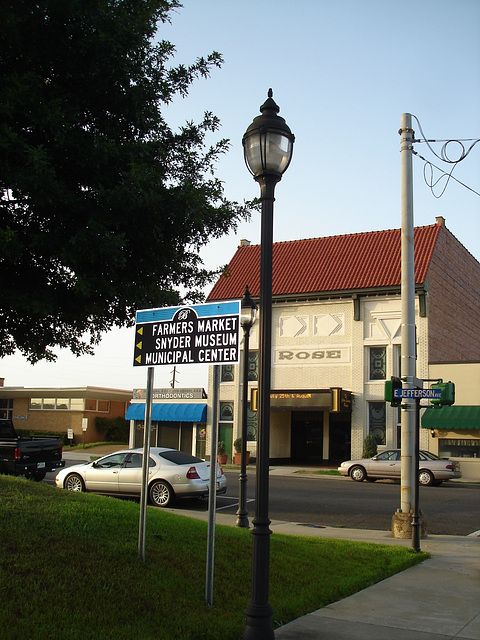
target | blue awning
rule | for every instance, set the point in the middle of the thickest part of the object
(169, 412)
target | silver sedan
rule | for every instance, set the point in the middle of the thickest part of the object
(432, 470)
(171, 474)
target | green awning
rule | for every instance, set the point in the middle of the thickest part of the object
(451, 418)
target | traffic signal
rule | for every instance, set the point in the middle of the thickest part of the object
(448, 394)
(390, 386)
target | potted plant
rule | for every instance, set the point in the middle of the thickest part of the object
(222, 453)
(238, 452)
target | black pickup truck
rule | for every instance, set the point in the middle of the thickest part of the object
(30, 457)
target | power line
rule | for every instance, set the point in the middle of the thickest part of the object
(444, 156)
(431, 184)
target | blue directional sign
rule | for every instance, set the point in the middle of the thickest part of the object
(196, 334)
(435, 394)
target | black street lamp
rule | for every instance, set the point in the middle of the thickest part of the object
(247, 319)
(268, 146)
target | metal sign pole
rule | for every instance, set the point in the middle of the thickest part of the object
(146, 456)
(408, 355)
(416, 532)
(212, 493)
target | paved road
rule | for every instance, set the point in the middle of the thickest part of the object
(451, 509)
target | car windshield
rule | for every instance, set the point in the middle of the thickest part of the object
(179, 457)
(115, 460)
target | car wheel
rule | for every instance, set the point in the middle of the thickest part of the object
(161, 493)
(74, 482)
(425, 477)
(358, 474)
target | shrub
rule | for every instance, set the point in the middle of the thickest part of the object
(369, 446)
(113, 429)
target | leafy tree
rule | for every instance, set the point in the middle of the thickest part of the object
(103, 207)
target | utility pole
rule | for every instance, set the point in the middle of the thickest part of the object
(408, 356)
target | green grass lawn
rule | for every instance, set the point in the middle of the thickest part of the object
(70, 570)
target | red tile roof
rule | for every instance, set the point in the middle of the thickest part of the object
(333, 264)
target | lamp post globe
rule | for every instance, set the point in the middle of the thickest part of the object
(248, 311)
(248, 315)
(268, 147)
(268, 142)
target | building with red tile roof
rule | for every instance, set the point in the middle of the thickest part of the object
(329, 266)
(337, 335)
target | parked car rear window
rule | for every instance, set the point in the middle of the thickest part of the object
(180, 457)
(428, 455)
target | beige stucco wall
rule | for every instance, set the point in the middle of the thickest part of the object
(304, 335)
(466, 376)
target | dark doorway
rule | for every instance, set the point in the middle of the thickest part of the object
(340, 437)
(307, 437)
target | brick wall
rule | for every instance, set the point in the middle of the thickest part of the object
(60, 421)
(453, 302)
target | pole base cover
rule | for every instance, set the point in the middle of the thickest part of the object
(402, 525)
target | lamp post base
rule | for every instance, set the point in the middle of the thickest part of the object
(242, 513)
(402, 525)
(259, 623)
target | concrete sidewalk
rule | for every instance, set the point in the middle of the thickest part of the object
(438, 599)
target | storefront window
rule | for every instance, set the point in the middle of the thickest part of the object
(101, 406)
(62, 404)
(376, 421)
(253, 366)
(456, 448)
(6, 409)
(227, 373)
(200, 447)
(226, 411)
(378, 363)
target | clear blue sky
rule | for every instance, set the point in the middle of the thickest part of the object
(342, 73)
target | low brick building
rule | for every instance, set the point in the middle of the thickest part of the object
(336, 337)
(60, 409)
